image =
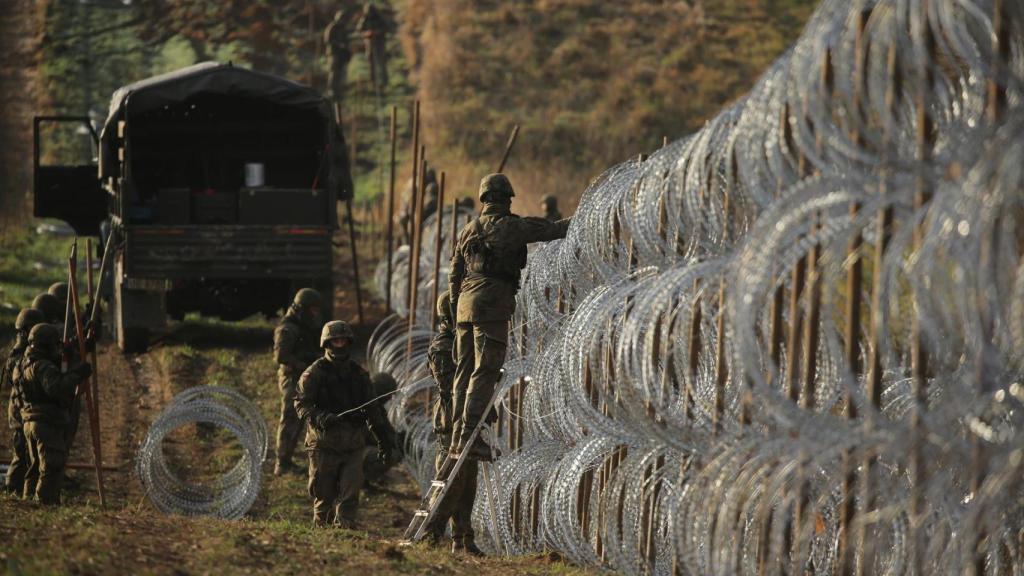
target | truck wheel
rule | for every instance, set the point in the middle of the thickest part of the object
(136, 314)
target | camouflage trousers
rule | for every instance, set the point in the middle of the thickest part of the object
(48, 455)
(289, 427)
(457, 505)
(71, 430)
(19, 461)
(480, 348)
(335, 479)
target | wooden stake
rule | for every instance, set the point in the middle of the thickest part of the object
(391, 209)
(438, 240)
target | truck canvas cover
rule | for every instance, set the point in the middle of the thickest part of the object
(221, 79)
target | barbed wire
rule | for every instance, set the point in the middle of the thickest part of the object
(791, 341)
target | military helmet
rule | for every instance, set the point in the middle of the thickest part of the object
(336, 329)
(49, 305)
(308, 297)
(496, 188)
(44, 335)
(430, 175)
(549, 202)
(467, 203)
(27, 318)
(431, 190)
(59, 291)
(383, 383)
(444, 308)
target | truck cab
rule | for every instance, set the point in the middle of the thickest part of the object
(219, 186)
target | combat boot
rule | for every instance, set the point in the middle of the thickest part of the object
(467, 546)
(286, 467)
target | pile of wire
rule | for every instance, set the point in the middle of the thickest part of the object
(792, 341)
(233, 493)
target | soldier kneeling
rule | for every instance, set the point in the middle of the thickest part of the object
(335, 399)
(47, 397)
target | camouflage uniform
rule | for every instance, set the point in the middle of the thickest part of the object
(295, 348)
(457, 505)
(27, 319)
(373, 468)
(47, 396)
(52, 304)
(374, 26)
(336, 44)
(407, 213)
(484, 279)
(330, 400)
(550, 206)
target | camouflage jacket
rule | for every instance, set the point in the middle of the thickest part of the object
(440, 356)
(296, 346)
(327, 388)
(489, 258)
(7, 382)
(46, 394)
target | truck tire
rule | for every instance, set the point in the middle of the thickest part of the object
(136, 314)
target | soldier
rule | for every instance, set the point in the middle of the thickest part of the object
(384, 385)
(47, 396)
(27, 319)
(407, 214)
(52, 309)
(549, 204)
(59, 290)
(295, 348)
(373, 26)
(457, 505)
(484, 279)
(336, 45)
(335, 399)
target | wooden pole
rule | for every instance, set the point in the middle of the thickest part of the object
(355, 261)
(854, 300)
(391, 209)
(414, 258)
(508, 147)
(86, 385)
(438, 240)
(415, 166)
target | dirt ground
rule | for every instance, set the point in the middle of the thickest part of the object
(131, 536)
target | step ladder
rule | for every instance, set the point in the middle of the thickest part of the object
(442, 481)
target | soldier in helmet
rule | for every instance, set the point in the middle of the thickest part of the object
(27, 319)
(335, 400)
(457, 505)
(46, 396)
(51, 307)
(384, 385)
(59, 290)
(485, 269)
(549, 204)
(407, 213)
(338, 51)
(295, 348)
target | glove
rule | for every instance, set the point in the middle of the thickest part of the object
(83, 370)
(331, 420)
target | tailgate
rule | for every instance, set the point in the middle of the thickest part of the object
(227, 251)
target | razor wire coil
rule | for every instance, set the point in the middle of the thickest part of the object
(232, 494)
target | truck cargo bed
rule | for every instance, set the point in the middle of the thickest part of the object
(227, 251)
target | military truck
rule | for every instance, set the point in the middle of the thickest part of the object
(220, 188)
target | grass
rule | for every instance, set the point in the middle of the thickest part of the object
(29, 264)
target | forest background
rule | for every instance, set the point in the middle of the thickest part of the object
(590, 82)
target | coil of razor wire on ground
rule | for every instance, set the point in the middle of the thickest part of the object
(233, 493)
(790, 342)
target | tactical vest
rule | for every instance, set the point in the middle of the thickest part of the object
(26, 381)
(488, 257)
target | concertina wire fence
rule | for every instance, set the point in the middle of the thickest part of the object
(788, 343)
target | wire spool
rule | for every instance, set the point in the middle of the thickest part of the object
(233, 493)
